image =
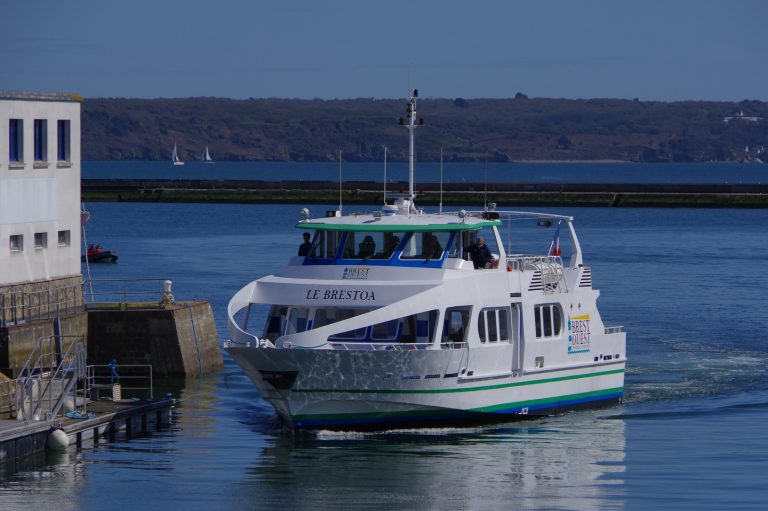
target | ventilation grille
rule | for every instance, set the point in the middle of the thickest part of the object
(586, 278)
(536, 282)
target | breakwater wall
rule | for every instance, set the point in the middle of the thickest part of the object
(537, 194)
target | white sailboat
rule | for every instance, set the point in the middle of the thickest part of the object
(175, 156)
(206, 156)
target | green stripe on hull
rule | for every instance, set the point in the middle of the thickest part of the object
(548, 400)
(467, 389)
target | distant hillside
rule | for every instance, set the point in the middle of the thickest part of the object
(467, 129)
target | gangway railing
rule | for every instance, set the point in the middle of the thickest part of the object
(49, 376)
(45, 393)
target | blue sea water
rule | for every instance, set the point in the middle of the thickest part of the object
(687, 284)
(709, 173)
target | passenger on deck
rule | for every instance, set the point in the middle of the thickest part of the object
(480, 254)
(304, 247)
(367, 247)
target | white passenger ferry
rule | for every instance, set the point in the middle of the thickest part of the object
(399, 317)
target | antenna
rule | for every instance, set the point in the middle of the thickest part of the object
(385, 175)
(441, 180)
(485, 178)
(410, 112)
(340, 181)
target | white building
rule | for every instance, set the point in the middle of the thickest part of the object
(39, 204)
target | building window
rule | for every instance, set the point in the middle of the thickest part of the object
(548, 320)
(41, 239)
(63, 140)
(493, 325)
(64, 238)
(41, 140)
(16, 140)
(17, 242)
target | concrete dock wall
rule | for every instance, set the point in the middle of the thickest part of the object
(18, 341)
(178, 339)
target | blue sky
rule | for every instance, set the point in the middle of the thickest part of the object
(652, 49)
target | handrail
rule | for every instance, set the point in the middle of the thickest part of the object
(123, 290)
(394, 346)
(520, 262)
(135, 377)
(47, 376)
(17, 307)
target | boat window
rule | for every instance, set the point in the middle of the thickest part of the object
(298, 320)
(329, 315)
(425, 245)
(493, 324)
(371, 245)
(503, 324)
(455, 248)
(548, 320)
(419, 327)
(416, 328)
(325, 245)
(387, 331)
(276, 321)
(455, 324)
(493, 334)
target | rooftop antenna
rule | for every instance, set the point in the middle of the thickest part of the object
(441, 180)
(340, 164)
(410, 112)
(485, 178)
(385, 175)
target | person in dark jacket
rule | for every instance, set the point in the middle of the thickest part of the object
(304, 247)
(480, 254)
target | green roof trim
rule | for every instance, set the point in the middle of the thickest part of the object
(376, 226)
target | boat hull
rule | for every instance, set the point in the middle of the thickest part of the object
(103, 257)
(318, 389)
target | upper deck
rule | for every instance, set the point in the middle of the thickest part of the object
(408, 237)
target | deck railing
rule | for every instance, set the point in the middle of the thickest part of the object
(394, 346)
(520, 262)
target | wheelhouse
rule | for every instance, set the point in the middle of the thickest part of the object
(376, 242)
